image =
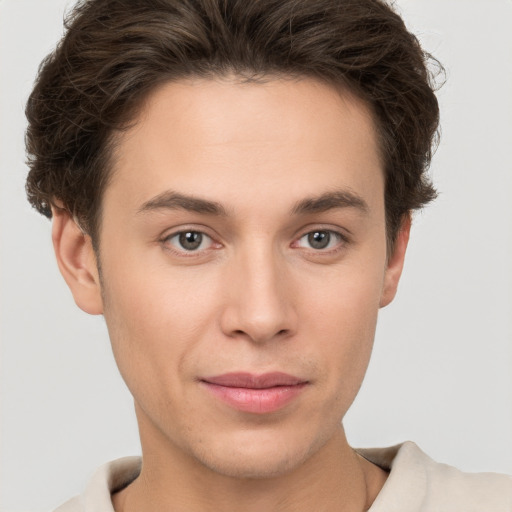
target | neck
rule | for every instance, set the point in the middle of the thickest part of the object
(333, 479)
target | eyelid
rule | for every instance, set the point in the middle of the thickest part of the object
(343, 239)
(339, 233)
(170, 234)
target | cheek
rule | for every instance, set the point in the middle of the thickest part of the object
(155, 321)
(349, 340)
(343, 318)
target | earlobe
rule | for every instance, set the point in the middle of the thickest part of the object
(76, 261)
(395, 263)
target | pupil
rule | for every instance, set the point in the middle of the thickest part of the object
(191, 240)
(319, 239)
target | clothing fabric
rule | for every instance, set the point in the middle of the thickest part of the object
(415, 484)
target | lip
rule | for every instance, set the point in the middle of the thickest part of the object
(258, 394)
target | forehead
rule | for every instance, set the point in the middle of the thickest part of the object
(230, 139)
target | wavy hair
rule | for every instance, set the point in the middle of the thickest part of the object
(115, 52)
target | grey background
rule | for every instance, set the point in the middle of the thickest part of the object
(441, 370)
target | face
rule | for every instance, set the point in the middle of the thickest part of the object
(243, 257)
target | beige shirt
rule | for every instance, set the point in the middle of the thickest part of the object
(415, 484)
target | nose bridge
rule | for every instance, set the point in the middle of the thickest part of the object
(260, 304)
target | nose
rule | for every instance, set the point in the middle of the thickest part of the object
(259, 294)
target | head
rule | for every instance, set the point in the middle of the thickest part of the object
(115, 53)
(232, 185)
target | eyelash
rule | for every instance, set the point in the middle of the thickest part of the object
(342, 241)
(166, 240)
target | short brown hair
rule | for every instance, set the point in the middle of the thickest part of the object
(115, 52)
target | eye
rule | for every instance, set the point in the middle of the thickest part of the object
(320, 239)
(189, 241)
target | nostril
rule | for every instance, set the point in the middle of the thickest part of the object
(241, 332)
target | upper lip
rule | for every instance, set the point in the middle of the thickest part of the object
(252, 381)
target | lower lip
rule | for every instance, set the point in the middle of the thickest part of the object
(258, 401)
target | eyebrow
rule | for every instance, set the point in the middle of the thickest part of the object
(175, 201)
(330, 201)
(171, 200)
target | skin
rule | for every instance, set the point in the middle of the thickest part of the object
(256, 296)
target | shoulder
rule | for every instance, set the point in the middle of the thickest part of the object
(73, 505)
(418, 483)
(107, 479)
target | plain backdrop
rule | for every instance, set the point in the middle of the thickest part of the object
(441, 372)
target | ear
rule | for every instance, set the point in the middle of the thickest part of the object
(76, 261)
(395, 263)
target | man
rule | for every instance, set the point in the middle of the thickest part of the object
(231, 186)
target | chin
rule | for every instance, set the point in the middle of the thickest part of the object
(255, 466)
(255, 456)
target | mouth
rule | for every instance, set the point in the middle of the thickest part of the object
(258, 394)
